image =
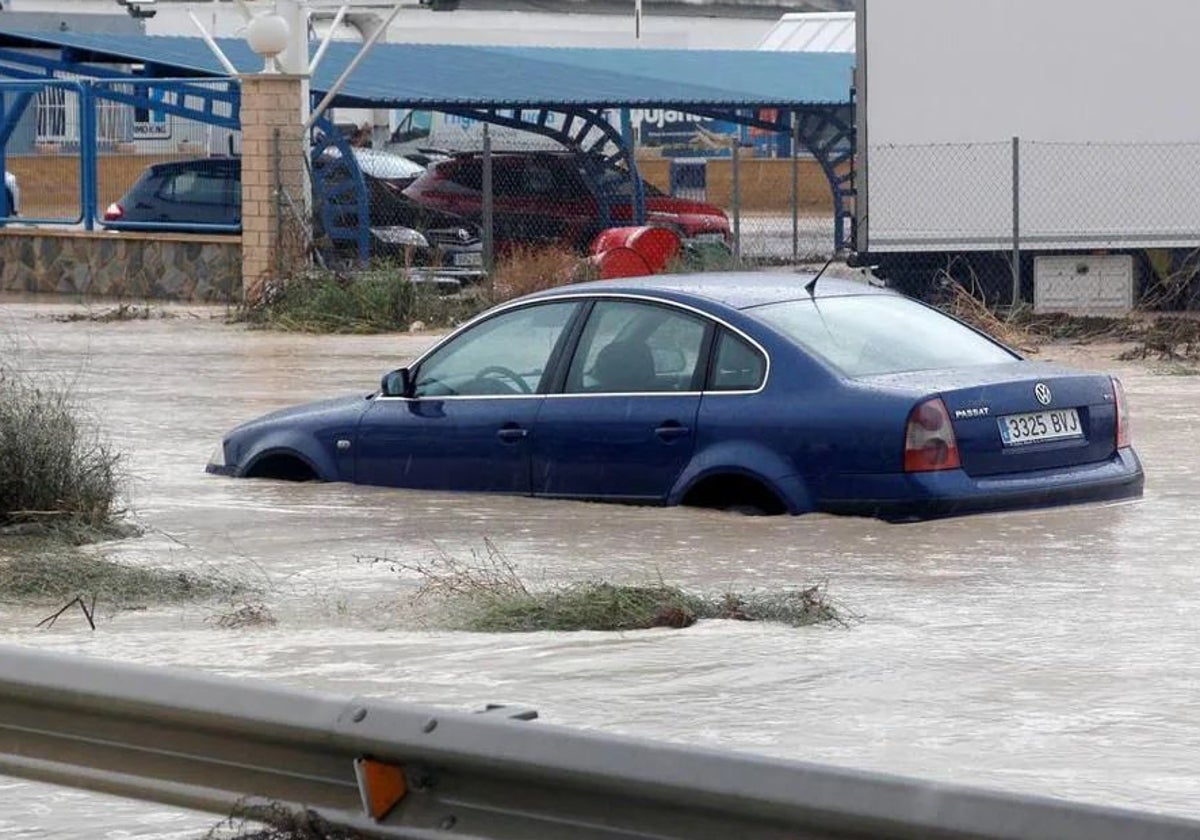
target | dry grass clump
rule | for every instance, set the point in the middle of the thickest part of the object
(120, 312)
(957, 300)
(55, 577)
(377, 300)
(1167, 338)
(533, 268)
(276, 822)
(487, 595)
(1064, 326)
(54, 467)
(243, 615)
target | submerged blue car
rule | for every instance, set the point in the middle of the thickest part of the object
(756, 392)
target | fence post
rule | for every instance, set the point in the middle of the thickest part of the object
(4, 204)
(277, 194)
(736, 199)
(1016, 222)
(795, 189)
(487, 208)
(88, 169)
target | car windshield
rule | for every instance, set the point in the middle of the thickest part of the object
(864, 335)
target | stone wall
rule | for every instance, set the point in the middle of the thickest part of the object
(171, 266)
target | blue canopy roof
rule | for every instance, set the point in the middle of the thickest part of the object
(431, 75)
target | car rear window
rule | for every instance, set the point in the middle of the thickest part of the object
(207, 187)
(864, 335)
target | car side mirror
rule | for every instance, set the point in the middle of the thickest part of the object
(398, 383)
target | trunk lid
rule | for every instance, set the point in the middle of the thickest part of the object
(1052, 417)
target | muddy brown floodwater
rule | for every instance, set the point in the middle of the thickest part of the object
(1054, 652)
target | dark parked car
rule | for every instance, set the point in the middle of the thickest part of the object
(203, 191)
(208, 191)
(719, 390)
(451, 241)
(544, 197)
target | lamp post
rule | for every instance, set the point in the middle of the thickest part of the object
(269, 36)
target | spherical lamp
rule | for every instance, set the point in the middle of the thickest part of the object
(268, 37)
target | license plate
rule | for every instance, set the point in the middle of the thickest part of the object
(468, 258)
(1016, 429)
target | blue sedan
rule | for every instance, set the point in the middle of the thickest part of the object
(755, 392)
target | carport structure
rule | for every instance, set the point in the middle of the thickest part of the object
(562, 93)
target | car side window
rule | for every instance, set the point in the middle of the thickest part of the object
(628, 347)
(737, 366)
(506, 355)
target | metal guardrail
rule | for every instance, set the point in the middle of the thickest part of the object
(214, 744)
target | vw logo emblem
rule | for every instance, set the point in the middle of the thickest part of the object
(1042, 392)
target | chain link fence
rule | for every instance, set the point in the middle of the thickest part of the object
(155, 167)
(43, 156)
(160, 169)
(426, 187)
(1084, 228)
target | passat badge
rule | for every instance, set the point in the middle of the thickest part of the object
(1042, 392)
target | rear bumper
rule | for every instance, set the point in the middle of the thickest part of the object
(953, 492)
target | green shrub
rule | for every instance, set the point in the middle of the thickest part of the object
(54, 468)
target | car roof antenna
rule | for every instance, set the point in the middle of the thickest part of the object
(811, 285)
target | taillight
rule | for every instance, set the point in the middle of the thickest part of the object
(929, 442)
(1123, 436)
(114, 212)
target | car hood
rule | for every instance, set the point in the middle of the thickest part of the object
(307, 414)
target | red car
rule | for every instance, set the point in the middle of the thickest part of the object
(543, 197)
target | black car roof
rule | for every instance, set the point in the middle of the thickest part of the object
(201, 164)
(739, 290)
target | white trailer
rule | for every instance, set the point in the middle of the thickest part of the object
(1042, 127)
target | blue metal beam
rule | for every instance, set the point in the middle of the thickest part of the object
(206, 114)
(12, 115)
(340, 193)
(23, 65)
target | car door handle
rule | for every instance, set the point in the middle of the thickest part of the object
(672, 430)
(511, 434)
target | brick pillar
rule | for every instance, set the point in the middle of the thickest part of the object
(271, 245)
